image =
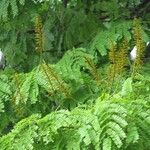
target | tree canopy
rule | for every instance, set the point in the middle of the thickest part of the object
(69, 83)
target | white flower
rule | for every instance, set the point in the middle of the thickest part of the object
(2, 60)
(133, 53)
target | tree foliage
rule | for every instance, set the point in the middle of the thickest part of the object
(66, 84)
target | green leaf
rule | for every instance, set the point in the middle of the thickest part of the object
(107, 144)
(127, 87)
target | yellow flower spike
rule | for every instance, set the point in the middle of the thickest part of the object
(38, 34)
(137, 34)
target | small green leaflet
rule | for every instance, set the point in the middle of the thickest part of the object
(127, 87)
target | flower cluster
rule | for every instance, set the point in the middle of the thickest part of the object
(38, 34)
(137, 34)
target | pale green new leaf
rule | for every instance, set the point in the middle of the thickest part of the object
(127, 87)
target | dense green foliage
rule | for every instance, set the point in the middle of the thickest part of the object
(59, 89)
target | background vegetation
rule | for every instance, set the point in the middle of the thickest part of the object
(68, 82)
